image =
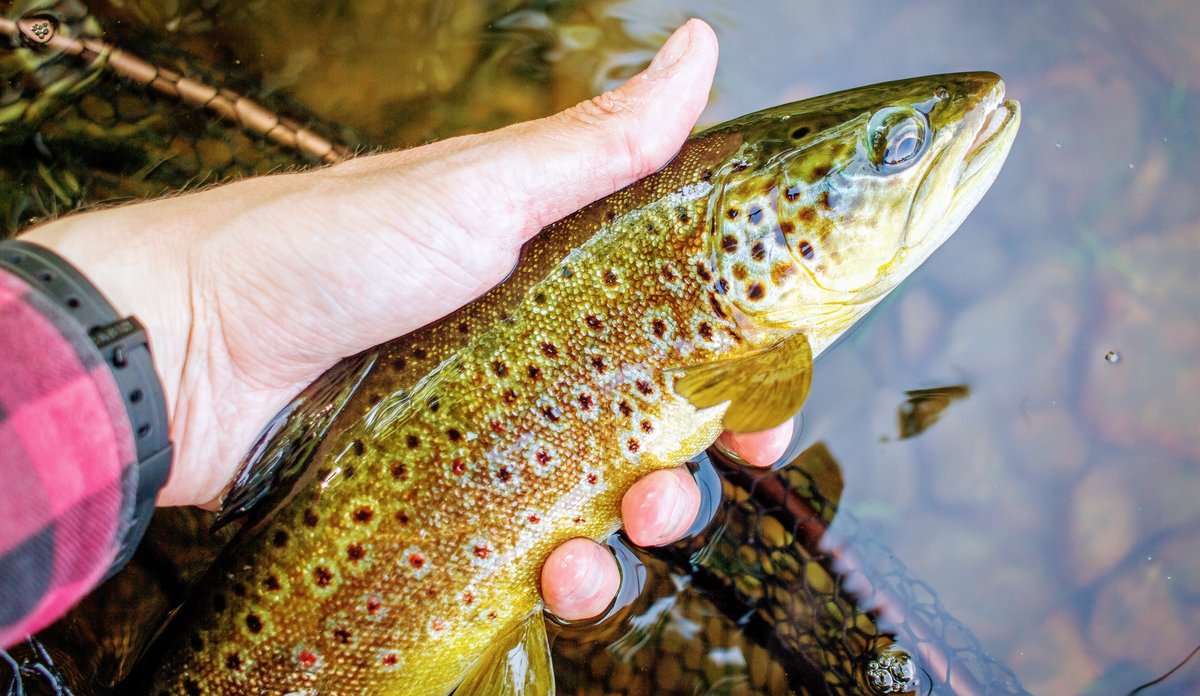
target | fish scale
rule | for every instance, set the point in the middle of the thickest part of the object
(401, 554)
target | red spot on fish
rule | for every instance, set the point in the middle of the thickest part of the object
(307, 659)
(534, 519)
(542, 457)
(458, 466)
(504, 474)
(491, 616)
(647, 427)
(483, 550)
(373, 605)
(593, 479)
(578, 520)
(633, 445)
(468, 597)
(497, 427)
(439, 624)
(390, 659)
(416, 560)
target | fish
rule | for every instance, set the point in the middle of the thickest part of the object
(402, 508)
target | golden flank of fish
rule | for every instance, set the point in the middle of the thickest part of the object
(406, 502)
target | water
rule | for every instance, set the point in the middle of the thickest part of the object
(1054, 511)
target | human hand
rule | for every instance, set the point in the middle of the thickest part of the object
(250, 291)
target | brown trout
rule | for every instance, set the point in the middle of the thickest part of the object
(419, 487)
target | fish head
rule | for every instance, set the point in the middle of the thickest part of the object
(829, 203)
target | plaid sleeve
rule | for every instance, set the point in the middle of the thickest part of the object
(67, 462)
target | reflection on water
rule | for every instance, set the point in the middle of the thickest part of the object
(1054, 512)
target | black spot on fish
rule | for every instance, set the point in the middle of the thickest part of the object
(551, 414)
(792, 193)
(399, 471)
(703, 272)
(633, 444)
(271, 583)
(716, 306)
(355, 552)
(510, 396)
(610, 277)
(826, 200)
(659, 327)
(499, 368)
(800, 132)
(755, 291)
(644, 387)
(310, 518)
(732, 213)
(806, 215)
(191, 688)
(598, 364)
(758, 252)
(280, 539)
(218, 603)
(402, 517)
(610, 215)
(806, 249)
(358, 447)
(729, 244)
(566, 272)
(399, 363)
(683, 216)
(534, 371)
(253, 623)
(364, 514)
(647, 427)
(741, 166)
(196, 641)
(787, 227)
(503, 474)
(668, 273)
(463, 327)
(434, 403)
(625, 409)
(593, 322)
(706, 175)
(322, 576)
(239, 589)
(454, 434)
(820, 171)
(412, 441)
(233, 662)
(550, 350)
(705, 330)
(341, 635)
(540, 298)
(586, 402)
(419, 353)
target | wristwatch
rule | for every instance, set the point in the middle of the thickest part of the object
(123, 345)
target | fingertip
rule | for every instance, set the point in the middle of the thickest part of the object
(579, 579)
(760, 449)
(660, 507)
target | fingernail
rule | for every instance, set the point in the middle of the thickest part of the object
(721, 446)
(672, 50)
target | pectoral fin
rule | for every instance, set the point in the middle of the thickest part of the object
(516, 664)
(764, 388)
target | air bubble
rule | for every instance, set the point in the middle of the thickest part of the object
(1112, 356)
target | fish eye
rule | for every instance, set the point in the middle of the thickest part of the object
(896, 136)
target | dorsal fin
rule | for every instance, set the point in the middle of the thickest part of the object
(287, 444)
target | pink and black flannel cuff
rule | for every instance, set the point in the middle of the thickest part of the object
(67, 462)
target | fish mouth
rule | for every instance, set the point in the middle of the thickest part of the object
(998, 124)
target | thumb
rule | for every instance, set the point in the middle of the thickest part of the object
(471, 202)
